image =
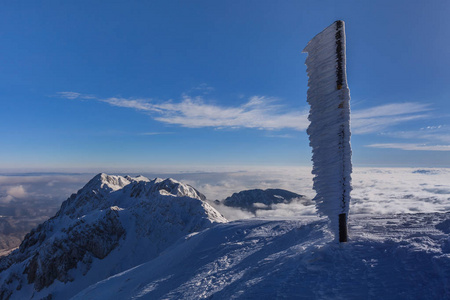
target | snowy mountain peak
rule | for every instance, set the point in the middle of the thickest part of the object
(92, 235)
(172, 187)
(104, 190)
(111, 182)
(137, 178)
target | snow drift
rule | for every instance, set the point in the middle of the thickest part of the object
(403, 256)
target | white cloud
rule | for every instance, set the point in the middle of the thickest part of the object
(138, 104)
(283, 136)
(13, 192)
(6, 199)
(394, 109)
(375, 190)
(219, 185)
(258, 112)
(232, 213)
(17, 191)
(69, 95)
(411, 147)
(202, 88)
(155, 133)
(430, 133)
(46, 189)
(283, 210)
(378, 118)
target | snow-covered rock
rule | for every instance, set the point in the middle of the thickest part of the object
(112, 224)
(252, 200)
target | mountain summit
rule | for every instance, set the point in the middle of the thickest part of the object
(110, 225)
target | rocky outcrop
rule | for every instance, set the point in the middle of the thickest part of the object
(252, 200)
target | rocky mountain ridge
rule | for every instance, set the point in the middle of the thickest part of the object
(110, 225)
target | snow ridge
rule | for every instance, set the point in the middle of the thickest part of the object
(404, 256)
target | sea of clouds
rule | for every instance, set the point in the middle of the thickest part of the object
(375, 190)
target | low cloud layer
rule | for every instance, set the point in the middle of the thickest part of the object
(27, 190)
(375, 190)
(13, 192)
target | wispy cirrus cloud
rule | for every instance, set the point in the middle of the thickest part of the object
(202, 88)
(259, 112)
(411, 147)
(69, 95)
(378, 118)
(429, 138)
(393, 109)
(155, 133)
(440, 133)
(138, 104)
(75, 95)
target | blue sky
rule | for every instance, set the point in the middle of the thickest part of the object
(189, 84)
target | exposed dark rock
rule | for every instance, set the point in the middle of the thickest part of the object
(251, 200)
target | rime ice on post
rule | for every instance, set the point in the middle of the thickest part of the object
(329, 131)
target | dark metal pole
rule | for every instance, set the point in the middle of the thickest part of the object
(339, 83)
(343, 228)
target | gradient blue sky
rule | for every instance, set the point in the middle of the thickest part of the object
(189, 84)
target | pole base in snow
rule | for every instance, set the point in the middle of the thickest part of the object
(342, 228)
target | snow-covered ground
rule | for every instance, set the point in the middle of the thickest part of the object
(404, 256)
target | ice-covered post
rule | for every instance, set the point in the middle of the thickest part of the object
(329, 130)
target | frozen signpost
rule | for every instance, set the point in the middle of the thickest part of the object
(329, 131)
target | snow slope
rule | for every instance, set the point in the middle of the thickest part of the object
(405, 256)
(112, 224)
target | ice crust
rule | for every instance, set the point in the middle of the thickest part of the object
(329, 130)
